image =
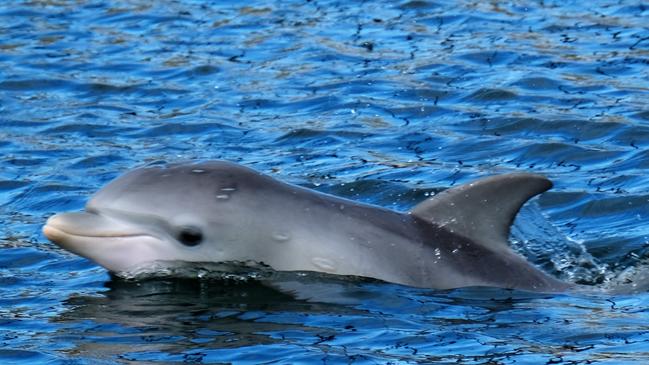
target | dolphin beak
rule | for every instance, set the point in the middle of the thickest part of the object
(111, 242)
(66, 229)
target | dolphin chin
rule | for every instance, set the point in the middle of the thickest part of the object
(222, 212)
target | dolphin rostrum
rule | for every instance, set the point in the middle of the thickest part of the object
(223, 212)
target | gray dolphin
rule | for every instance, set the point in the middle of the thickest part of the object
(224, 212)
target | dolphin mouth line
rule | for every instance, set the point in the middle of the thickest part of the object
(51, 231)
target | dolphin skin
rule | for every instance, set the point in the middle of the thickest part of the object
(223, 212)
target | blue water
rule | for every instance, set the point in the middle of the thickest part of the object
(383, 102)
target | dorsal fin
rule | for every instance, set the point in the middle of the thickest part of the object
(484, 210)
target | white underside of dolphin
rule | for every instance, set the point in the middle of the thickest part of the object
(224, 212)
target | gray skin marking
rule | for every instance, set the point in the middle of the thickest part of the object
(455, 239)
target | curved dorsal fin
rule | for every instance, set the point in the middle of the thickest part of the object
(484, 210)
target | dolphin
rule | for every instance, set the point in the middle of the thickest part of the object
(222, 212)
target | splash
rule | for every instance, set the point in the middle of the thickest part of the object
(544, 245)
(232, 271)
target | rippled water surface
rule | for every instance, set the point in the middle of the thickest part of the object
(383, 102)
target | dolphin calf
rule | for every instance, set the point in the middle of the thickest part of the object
(223, 212)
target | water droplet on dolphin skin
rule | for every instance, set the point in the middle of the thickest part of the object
(281, 236)
(438, 255)
(225, 192)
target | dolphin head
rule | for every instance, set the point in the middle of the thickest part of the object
(179, 213)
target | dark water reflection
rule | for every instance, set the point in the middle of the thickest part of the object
(250, 322)
(383, 102)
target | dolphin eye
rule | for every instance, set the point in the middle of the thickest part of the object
(190, 236)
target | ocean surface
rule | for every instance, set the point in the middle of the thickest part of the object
(385, 102)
